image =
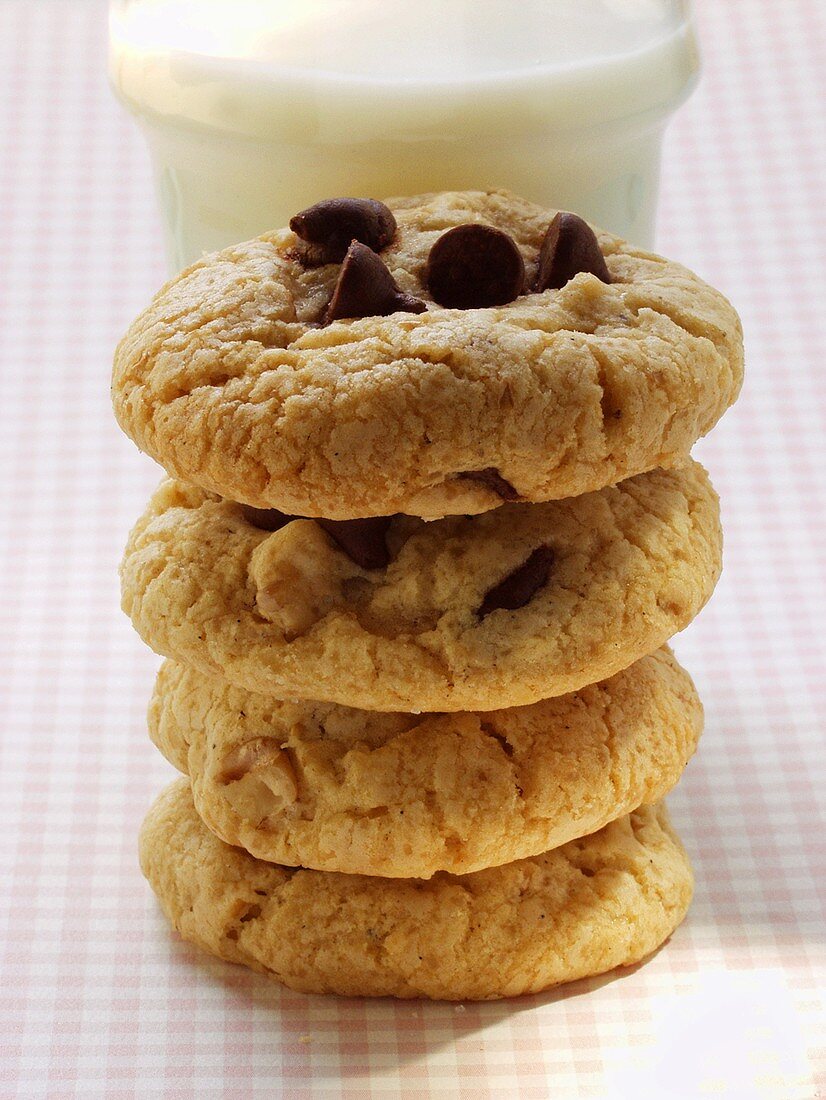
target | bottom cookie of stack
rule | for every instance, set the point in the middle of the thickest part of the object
(603, 901)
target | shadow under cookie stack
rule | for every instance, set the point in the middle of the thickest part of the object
(425, 734)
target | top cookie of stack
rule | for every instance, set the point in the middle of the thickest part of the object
(465, 349)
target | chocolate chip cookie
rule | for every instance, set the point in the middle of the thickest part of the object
(335, 789)
(604, 901)
(518, 604)
(433, 356)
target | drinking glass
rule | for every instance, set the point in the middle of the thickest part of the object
(254, 109)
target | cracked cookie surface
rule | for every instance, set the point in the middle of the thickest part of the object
(289, 614)
(327, 787)
(603, 901)
(228, 380)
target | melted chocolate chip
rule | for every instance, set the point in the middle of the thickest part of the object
(473, 266)
(364, 541)
(520, 585)
(365, 288)
(569, 246)
(331, 225)
(492, 479)
(267, 519)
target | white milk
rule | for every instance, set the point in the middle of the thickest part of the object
(254, 109)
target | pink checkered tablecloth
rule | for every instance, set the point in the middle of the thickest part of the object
(97, 998)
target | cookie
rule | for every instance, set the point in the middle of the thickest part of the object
(604, 901)
(335, 789)
(502, 609)
(491, 359)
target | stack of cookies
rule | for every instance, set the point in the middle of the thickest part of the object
(430, 523)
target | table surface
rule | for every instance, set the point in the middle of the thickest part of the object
(97, 997)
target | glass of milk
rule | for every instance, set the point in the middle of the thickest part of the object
(254, 109)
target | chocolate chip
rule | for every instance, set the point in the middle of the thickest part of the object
(364, 541)
(473, 266)
(491, 478)
(569, 246)
(520, 585)
(365, 288)
(331, 225)
(268, 519)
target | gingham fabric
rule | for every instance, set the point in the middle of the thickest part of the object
(97, 997)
